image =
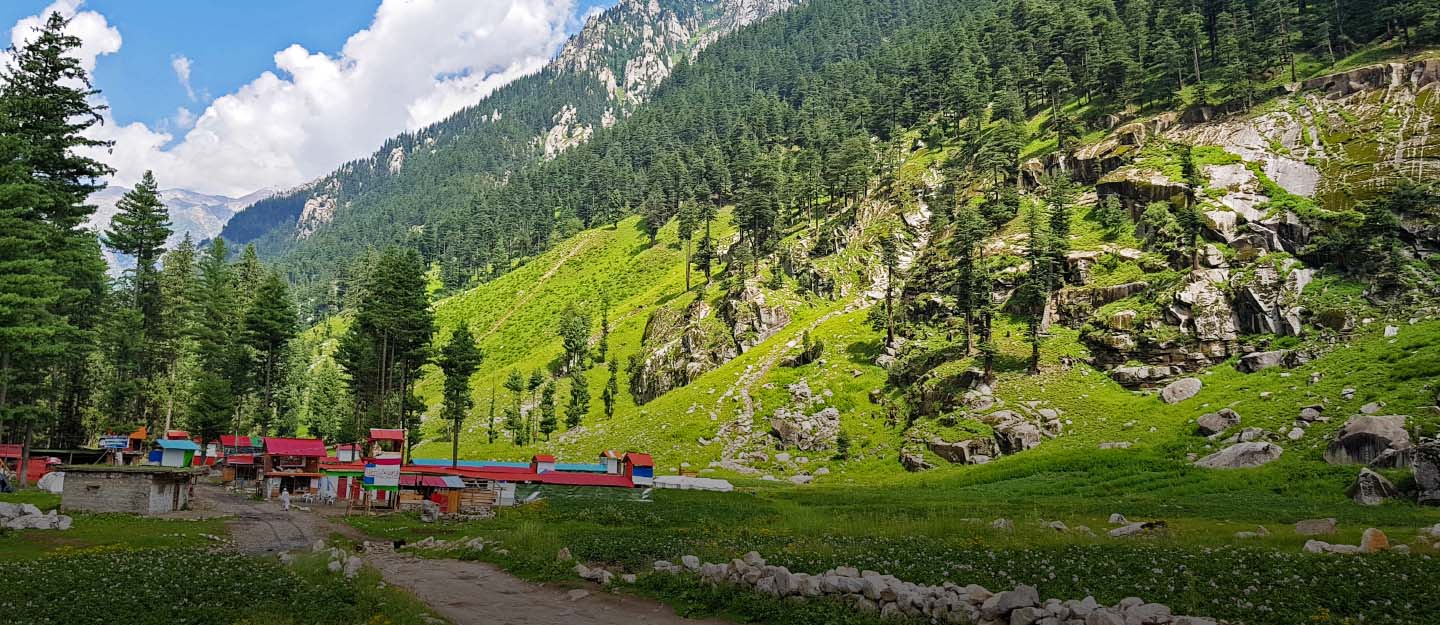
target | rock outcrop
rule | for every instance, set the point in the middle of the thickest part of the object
(751, 320)
(1364, 437)
(1427, 471)
(1371, 489)
(1242, 456)
(797, 426)
(1213, 423)
(679, 346)
(1181, 390)
(28, 517)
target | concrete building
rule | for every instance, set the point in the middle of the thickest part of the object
(134, 489)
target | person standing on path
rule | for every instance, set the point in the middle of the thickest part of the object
(285, 500)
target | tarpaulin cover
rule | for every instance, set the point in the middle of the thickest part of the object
(166, 443)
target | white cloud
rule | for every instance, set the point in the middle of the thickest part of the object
(184, 118)
(181, 64)
(417, 62)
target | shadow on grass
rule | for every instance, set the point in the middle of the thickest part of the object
(864, 352)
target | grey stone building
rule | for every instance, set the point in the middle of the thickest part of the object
(131, 489)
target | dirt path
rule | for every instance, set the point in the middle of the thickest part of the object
(475, 593)
(465, 593)
(530, 292)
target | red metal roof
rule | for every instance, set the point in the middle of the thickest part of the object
(303, 447)
(176, 435)
(494, 474)
(610, 453)
(639, 460)
(542, 458)
(377, 434)
(9, 451)
(240, 459)
(231, 440)
(563, 478)
(430, 481)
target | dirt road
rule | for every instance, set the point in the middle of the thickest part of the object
(465, 593)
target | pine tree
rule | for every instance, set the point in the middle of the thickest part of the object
(269, 325)
(547, 410)
(890, 260)
(705, 251)
(612, 389)
(28, 285)
(688, 217)
(139, 230)
(515, 383)
(575, 335)
(968, 232)
(49, 106)
(217, 347)
(180, 321)
(537, 379)
(458, 361)
(1035, 290)
(1112, 216)
(327, 405)
(579, 404)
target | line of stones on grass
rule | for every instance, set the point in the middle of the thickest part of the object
(892, 598)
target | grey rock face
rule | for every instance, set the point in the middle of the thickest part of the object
(1371, 489)
(1427, 471)
(1259, 361)
(1241, 456)
(1181, 390)
(1363, 438)
(1217, 422)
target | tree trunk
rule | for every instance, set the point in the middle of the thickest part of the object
(1195, 56)
(455, 442)
(687, 264)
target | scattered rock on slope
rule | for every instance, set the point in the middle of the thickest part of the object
(1371, 489)
(1216, 422)
(1181, 390)
(1241, 456)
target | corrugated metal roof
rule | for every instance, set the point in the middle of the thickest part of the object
(542, 458)
(240, 459)
(303, 447)
(231, 440)
(188, 445)
(584, 479)
(387, 435)
(639, 460)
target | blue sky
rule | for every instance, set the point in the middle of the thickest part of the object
(325, 104)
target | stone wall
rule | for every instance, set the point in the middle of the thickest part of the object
(134, 493)
(873, 593)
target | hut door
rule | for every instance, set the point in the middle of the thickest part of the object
(175, 499)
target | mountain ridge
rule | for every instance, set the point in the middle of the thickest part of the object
(599, 76)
